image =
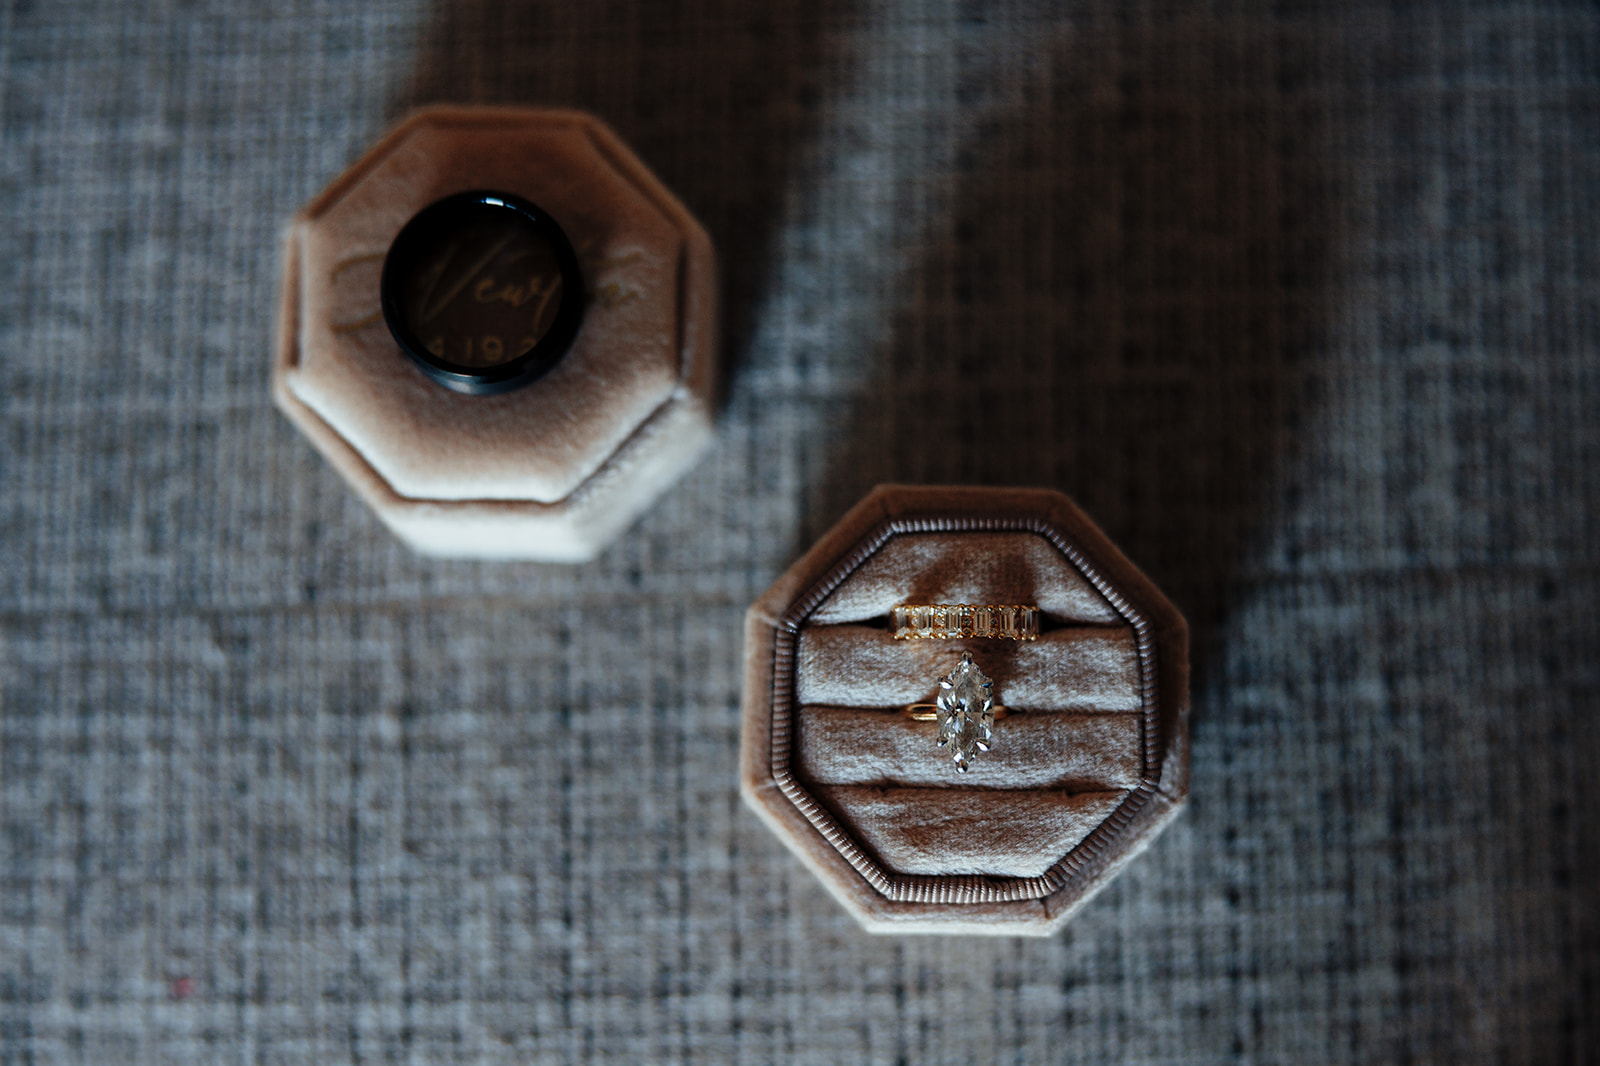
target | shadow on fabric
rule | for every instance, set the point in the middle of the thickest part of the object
(1137, 256)
(714, 97)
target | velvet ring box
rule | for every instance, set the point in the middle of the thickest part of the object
(550, 471)
(1088, 766)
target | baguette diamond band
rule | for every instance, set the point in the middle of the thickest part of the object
(958, 621)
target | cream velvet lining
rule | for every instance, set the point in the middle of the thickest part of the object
(967, 568)
(1088, 668)
(1060, 763)
(1075, 752)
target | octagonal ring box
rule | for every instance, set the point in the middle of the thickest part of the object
(1087, 766)
(553, 470)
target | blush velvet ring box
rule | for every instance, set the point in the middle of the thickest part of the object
(462, 461)
(1089, 766)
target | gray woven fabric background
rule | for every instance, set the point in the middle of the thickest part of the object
(1298, 301)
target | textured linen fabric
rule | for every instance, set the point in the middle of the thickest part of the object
(1298, 301)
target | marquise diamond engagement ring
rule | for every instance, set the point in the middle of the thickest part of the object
(965, 710)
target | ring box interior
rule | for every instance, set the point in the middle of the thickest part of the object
(556, 469)
(1089, 763)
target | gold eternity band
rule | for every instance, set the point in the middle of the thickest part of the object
(956, 621)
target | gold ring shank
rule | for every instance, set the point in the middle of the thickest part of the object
(958, 621)
(929, 712)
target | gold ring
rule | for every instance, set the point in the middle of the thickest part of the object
(965, 710)
(958, 621)
(929, 712)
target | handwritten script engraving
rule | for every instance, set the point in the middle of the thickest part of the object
(487, 282)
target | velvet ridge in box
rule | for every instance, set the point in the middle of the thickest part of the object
(551, 471)
(1080, 778)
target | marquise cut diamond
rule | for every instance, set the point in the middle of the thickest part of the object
(966, 711)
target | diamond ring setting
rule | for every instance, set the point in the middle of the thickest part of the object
(965, 710)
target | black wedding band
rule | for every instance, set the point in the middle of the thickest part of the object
(482, 290)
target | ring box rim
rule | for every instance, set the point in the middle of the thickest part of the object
(884, 902)
(649, 458)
